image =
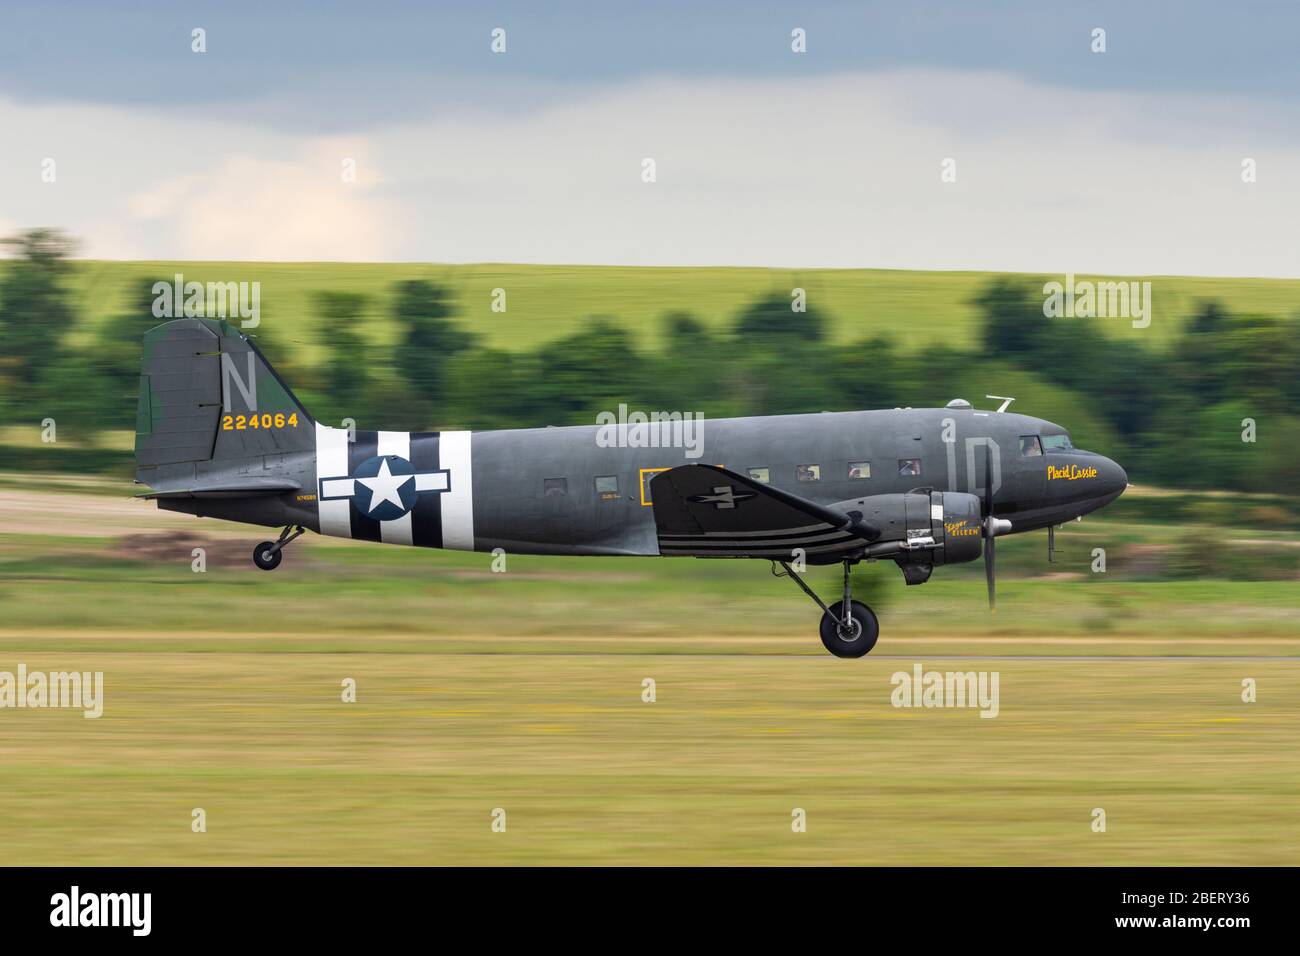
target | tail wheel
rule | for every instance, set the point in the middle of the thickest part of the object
(265, 558)
(855, 640)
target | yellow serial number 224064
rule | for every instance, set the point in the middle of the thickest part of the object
(239, 423)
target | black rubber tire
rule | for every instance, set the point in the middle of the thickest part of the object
(855, 647)
(266, 559)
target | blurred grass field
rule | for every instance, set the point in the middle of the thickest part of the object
(523, 691)
(707, 774)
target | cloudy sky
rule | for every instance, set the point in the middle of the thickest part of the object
(1127, 161)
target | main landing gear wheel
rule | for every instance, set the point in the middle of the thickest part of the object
(856, 638)
(845, 635)
(269, 554)
(267, 557)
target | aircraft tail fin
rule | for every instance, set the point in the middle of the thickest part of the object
(208, 394)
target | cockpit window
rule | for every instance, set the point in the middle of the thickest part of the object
(1030, 446)
(1057, 443)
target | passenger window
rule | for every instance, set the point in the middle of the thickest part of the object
(808, 472)
(909, 467)
(607, 487)
(555, 487)
(1030, 446)
(759, 474)
(859, 469)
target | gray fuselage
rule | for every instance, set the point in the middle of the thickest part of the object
(535, 491)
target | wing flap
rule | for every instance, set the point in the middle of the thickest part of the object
(707, 511)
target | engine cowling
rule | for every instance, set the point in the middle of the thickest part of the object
(921, 527)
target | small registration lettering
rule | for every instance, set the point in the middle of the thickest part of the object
(239, 423)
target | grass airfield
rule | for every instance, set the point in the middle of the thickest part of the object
(523, 691)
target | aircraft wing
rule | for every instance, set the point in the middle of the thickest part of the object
(707, 511)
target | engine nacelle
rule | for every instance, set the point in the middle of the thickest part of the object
(921, 527)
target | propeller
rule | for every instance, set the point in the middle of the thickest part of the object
(992, 527)
(989, 551)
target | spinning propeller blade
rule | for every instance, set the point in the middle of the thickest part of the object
(988, 572)
(990, 529)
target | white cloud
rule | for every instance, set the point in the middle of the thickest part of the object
(144, 184)
(838, 171)
(249, 207)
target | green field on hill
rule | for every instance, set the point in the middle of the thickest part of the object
(545, 302)
(1173, 401)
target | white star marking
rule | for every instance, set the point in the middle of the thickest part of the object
(384, 487)
(724, 497)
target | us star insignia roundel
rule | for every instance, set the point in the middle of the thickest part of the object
(385, 487)
(722, 497)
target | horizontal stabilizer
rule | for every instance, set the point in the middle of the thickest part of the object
(245, 488)
(707, 511)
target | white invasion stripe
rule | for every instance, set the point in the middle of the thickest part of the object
(335, 516)
(337, 487)
(458, 503)
(431, 481)
(398, 530)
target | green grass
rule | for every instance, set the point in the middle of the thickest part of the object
(523, 691)
(708, 773)
(362, 598)
(546, 302)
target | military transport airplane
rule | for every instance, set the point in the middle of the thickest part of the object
(220, 435)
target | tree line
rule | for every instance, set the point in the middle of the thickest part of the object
(1175, 413)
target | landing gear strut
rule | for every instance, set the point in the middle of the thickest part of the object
(848, 628)
(269, 554)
